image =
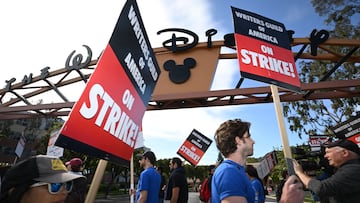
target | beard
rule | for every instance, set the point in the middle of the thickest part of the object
(142, 164)
(250, 151)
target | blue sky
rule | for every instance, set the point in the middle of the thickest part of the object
(41, 33)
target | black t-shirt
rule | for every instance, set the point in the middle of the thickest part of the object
(78, 192)
(178, 179)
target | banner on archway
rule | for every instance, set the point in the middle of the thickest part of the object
(105, 122)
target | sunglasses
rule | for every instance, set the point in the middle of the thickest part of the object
(54, 188)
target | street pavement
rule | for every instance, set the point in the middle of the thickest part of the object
(193, 198)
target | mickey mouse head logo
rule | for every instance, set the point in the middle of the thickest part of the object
(179, 73)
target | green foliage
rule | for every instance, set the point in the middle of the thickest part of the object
(252, 160)
(279, 167)
(317, 116)
(164, 164)
(196, 172)
(340, 14)
(5, 128)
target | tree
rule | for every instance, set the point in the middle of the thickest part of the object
(115, 171)
(164, 164)
(5, 130)
(196, 172)
(252, 160)
(316, 117)
(275, 174)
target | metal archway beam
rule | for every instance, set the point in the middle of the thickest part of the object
(323, 90)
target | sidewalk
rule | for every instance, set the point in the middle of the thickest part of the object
(193, 198)
(113, 199)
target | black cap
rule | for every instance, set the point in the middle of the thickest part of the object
(150, 155)
(346, 144)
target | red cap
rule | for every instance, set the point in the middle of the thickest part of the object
(74, 162)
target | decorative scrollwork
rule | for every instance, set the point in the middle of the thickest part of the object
(77, 62)
(317, 38)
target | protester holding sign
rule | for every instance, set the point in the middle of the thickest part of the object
(344, 185)
(230, 182)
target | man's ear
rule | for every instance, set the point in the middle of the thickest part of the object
(238, 140)
(346, 153)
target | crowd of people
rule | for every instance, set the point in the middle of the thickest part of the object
(234, 141)
(46, 179)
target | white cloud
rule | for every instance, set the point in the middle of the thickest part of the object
(177, 124)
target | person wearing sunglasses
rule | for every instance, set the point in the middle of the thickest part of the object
(40, 179)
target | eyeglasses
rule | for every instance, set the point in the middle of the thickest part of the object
(54, 188)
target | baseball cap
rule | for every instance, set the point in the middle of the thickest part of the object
(148, 154)
(346, 144)
(74, 162)
(40, 168)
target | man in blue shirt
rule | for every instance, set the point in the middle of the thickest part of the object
(149, 182)
(230, 183)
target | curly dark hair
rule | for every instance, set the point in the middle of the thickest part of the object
(227, 132)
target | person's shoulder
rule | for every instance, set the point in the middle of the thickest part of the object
(351, 165)
(146, 172)
(156, 174)
(82, 180)
(227, 167)
(257, 181)
(354, 162)
(178, 174)
(229, 172)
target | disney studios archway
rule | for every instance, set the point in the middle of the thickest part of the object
(187, 73)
